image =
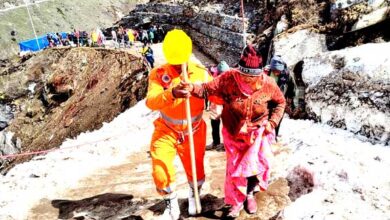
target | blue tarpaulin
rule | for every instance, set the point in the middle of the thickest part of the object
(32, 45)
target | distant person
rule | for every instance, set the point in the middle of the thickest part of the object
(59, 37)
(136, 35)
(145, 37)
(65, 40)
(77, 36)
(151, 36)
(55, 40)
(131, 37)
(147, 52)
(100, 37)
(159, 34)
(215, 109)
(114, 37)
(50, 40)
(126, 40)
(278, 71)
(94, 38)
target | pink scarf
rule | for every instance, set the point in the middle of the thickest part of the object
(244, 87)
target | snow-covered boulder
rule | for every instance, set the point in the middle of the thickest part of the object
(372, 18)
(341, 4)
(350, 89)
(298, 45)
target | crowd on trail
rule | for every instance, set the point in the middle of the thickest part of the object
(250, 99)
(124, 37)
(76, 38)
(120, 38)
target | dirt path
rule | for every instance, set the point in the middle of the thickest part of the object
(134, 180)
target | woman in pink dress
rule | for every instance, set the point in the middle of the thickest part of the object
(248, 126)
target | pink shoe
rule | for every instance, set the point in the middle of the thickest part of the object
(251, 204)
(235, 210)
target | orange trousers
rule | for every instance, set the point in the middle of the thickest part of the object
(163, 149)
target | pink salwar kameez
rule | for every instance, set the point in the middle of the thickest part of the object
(246, 159)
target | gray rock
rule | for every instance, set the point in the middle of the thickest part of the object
(376, 3)
(8, 145)
(218, 50)
(355, 92)
(6, 116)
(371, 19)
(341, 4)
(233, 39)
(226, 22)
(296, 46)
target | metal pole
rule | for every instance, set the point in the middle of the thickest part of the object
(32, 24)
(243, 23)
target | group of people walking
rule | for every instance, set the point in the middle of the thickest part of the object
(125, 37)
(76, 38)
(240, 97)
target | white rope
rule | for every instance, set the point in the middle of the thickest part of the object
(32, 24)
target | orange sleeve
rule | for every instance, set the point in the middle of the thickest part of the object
(157, 97)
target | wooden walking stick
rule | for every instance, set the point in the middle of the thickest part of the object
(191, 142)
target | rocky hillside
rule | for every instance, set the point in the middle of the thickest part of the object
(54, 16)
(59, 93)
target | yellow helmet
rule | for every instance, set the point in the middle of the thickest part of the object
(177, 47)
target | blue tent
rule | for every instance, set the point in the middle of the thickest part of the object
(32, 45)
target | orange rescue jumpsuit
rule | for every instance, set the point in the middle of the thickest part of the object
(170, 134)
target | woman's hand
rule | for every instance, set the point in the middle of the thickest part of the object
(187, 86)
(183, 90)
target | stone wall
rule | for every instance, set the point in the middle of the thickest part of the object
(218, 35)
(217, 50)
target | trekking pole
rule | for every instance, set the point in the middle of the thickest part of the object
(191, 142)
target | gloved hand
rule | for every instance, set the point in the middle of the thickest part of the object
(183, 90)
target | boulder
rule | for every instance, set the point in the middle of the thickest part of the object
(216, 49)
(371, 19)
(223, 21)
(9, 144)
(270, 202)
(350, 89)
(341, 4)
(233, 39)
(6, 116)
(294, 47)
